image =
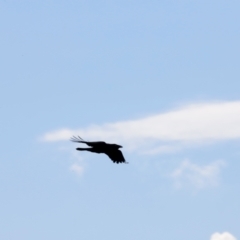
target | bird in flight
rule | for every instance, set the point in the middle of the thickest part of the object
(111, 150)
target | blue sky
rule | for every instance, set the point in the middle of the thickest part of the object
(160, 78)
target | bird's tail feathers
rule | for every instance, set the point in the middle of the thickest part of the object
(83, 149)
(77, 139)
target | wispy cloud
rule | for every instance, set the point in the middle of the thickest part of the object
(78, 165)
(168, 131)
(77, 168)
(191, 174)
(223, 236)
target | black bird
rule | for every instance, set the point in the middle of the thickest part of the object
(112, 150)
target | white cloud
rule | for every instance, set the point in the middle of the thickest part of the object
(194, 123)
(223, 236)
(77, 168)
(195, 175)
(77, 164)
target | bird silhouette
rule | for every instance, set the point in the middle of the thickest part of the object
(111, 150)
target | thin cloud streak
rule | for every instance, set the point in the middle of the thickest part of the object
(191, 174)
(195, 123)
(76, 168)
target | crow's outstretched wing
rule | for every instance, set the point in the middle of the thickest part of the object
(116, 156)
(91, 144)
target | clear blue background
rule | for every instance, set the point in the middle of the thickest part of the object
(75, 63)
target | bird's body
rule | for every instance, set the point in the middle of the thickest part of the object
(111, 150)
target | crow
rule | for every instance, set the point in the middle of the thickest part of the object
(112, 150)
